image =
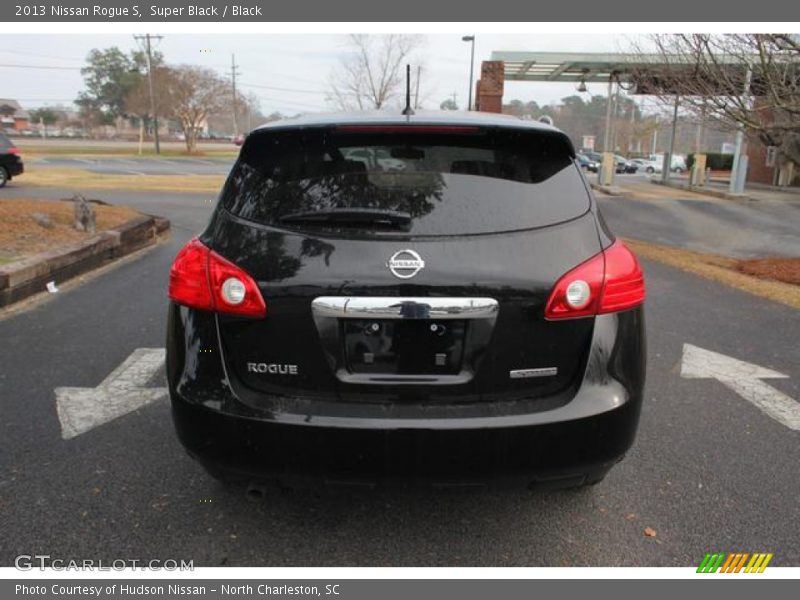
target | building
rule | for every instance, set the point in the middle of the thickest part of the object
(12, 115)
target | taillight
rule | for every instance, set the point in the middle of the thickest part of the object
(233, 289)
(13, 150)
(610, 281)
(202, 279)
(188, 277)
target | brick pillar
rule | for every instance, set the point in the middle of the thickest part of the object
(489, 89)
(757, 169)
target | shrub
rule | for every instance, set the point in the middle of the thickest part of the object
(716, 161)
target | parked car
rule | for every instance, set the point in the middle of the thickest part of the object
(648, 166)
(467, 319)
(677, 164)
(375, 158)
(587, 164)
(592, 155)
(624, 165)
(10, 160)
(239, 139)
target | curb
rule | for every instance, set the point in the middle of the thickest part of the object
(704, 191)
(611, 190)
(29, 276)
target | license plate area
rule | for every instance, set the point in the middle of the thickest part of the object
(403, 346)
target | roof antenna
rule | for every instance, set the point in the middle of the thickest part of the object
(408, 111)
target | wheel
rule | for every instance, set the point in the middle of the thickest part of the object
(649, 170)
(3, 177)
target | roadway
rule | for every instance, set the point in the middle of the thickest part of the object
(710, 470)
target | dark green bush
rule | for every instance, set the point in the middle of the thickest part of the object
(716, 161)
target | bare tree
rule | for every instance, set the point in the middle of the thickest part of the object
(743, 80)
(371, 74)
(194, 94)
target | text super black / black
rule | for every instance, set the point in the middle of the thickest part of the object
(432, 298)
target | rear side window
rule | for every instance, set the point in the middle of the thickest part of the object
(425, 180)
(5, 142)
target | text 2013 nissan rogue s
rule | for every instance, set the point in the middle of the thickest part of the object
(384, 299)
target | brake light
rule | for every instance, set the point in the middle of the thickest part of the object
(202, 279)
(406, 129)
(13, 150)
(610, 281)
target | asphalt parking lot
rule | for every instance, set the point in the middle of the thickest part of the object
(714, 467)
(139, 166)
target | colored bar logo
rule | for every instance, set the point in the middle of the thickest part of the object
(734, 562)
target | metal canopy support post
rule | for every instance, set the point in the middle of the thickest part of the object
(667, 166)
(607, 133)
(471, 40)
(605, 174)
(739, 171)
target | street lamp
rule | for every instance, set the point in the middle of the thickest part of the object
(471, 39)
(582, 85)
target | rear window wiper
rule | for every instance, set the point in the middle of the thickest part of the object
(350, 216)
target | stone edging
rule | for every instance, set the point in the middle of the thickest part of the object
(30, 275)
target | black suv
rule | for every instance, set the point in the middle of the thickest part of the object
(10, 161)
(453, 312)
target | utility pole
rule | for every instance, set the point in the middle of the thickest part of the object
(416, 91)
(149, 56)
(233, 83)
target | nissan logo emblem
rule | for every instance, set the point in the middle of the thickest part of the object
(404, 264)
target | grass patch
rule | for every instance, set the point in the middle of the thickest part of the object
(85, 180)
(43, 150)
(719, 268)
(21, 235)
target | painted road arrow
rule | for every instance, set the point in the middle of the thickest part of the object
(745, 379)
(123, 391)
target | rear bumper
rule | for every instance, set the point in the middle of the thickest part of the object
(15, 168)
(569, 452)
(522, 441)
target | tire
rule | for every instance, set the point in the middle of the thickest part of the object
(4, 178)
(649, 170)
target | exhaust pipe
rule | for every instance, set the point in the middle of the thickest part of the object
(255, 492)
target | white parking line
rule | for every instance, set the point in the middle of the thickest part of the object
(745, 379)
(82, 409)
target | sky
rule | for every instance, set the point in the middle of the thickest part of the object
(300, 65)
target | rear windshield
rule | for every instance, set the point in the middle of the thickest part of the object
(425, 181)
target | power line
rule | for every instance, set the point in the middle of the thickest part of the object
(52, 68)
(283, 89)
(282, 102)
(40, 55)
